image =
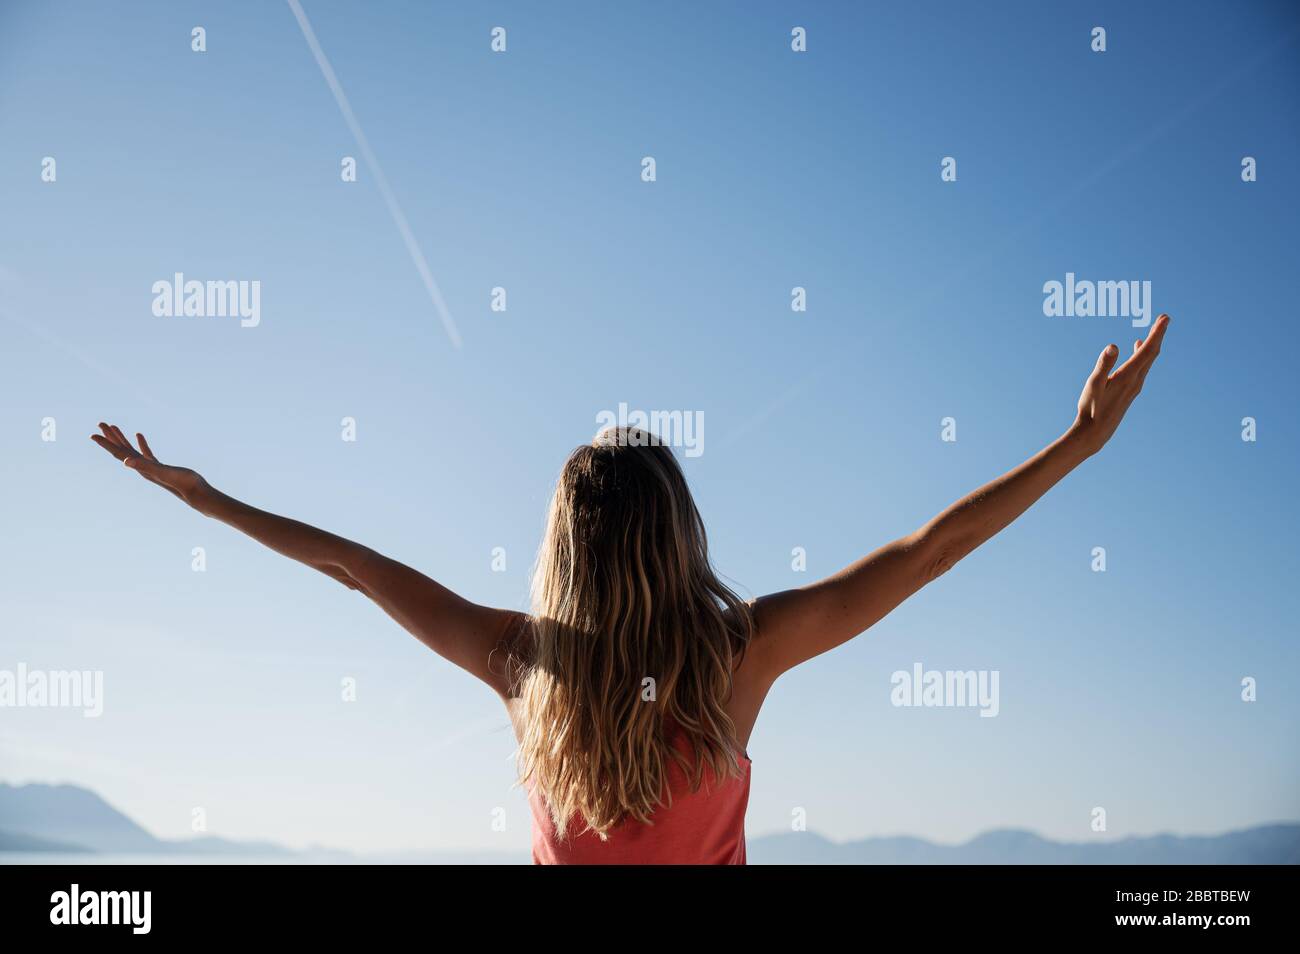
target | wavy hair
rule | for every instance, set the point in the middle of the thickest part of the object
(623, 592)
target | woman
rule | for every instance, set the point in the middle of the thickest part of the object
(634, 684)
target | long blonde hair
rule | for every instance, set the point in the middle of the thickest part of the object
(623, 592)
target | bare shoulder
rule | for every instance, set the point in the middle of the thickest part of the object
(759, 663)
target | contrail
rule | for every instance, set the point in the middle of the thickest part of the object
(390, 200)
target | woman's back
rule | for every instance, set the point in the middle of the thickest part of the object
(701, 827)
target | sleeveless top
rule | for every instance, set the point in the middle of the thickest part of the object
(704, 827)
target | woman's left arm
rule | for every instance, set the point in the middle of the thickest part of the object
(796, 625)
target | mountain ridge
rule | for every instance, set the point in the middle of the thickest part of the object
(54, 819)
(1277, 843)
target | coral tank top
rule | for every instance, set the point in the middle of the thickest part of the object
(704, 827)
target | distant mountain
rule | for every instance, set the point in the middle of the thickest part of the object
(65, 818)
(13, 841)
(67, 813)
(68, 818)
(1265, 845)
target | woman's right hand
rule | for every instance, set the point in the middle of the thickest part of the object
(183, 482)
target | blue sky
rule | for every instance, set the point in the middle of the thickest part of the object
(822, 429)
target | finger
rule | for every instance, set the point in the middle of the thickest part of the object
(108, 433)
(122, 437)
(1151, 346)
(1145, 357)
(109, 446)
(144, 446)
(115, 436)
(1133, 360)
(1105, 361)
(1145, 350)
(131, 452)
(1156, 334)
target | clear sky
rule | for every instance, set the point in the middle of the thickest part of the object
(1118, 689)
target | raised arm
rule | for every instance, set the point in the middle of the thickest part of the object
(460, 631)
(796, 625)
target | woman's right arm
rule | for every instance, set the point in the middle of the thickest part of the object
(462, 632)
